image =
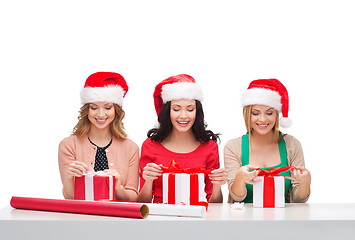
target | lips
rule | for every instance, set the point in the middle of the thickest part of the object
(262, 126)
(101, 121)
(183, 123)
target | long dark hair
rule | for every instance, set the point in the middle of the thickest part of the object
(198, 128)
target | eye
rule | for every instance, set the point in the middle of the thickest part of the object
(108, 108)
(176, 109)
(93, 108)
(191, 109)
(255, 113)
(269, 113)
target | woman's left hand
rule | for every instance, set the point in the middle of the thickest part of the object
(218, 176)
(114, 173)
(300, 175)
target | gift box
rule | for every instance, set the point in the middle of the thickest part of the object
(270, 192)
(184, 186)
(94, 186)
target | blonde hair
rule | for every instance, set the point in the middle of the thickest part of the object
(275, 129)
(116, 126)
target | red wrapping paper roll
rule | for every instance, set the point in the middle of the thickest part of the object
(117, 209)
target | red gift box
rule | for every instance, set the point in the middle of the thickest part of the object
(95, 186)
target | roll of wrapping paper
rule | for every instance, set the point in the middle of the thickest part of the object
(176, 210)
(117, 209)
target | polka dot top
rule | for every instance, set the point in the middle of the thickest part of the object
(101, 162)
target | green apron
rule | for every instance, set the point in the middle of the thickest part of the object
(284, 163)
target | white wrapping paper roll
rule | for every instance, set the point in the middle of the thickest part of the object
(176, 210)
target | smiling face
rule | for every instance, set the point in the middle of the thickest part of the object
(182, 114)
(262, 119)
(101, 114)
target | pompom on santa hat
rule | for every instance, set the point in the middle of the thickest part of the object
(269, 92)
(177, 87)
(104, 87)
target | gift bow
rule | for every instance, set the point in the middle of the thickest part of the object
(176, 168)
(274, 171)
(98, 173)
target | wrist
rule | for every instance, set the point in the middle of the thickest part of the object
(239, 177)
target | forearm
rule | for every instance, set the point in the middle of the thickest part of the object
(216, 196)
(146, 193)
(238, 187)
(303, 191)
(68, 188)
(125, 194)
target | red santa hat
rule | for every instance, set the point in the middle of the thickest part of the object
(269, 92)
(176, 87)
(104, 87)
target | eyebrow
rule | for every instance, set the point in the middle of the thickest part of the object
(177, 105)
(260, 111)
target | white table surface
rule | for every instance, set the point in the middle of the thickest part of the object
(296, 221)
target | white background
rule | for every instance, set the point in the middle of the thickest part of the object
(49, 48)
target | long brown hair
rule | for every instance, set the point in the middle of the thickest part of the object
(275, 129)
(198, 128)
(116, 126)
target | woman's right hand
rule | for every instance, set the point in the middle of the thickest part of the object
(151, 171)
(247, 176)
(77, 169)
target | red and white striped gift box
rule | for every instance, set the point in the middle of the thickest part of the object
(95, 186)
(184, 188)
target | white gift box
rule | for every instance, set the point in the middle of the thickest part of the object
(182, 190)
(265, 195)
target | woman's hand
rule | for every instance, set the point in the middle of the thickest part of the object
(77, 169)
(151, 172)
(246, 175)
(114, 173)
(300, 175)
(218, 176)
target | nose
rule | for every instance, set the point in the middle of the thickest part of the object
(262, 117)
(101, 112)
(183, 114)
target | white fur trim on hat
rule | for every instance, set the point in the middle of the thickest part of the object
(181, 90)
(285, 122)
(262, 96)
(111, 94)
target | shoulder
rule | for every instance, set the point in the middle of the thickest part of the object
(291, 141)
(210, 144)
(234, 141)
(150, 145)
(125, 143)
(233, 144)
(207, 147)
(69, 141)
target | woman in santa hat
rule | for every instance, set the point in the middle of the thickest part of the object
(265, 146)
(99, 141)
(182, 137)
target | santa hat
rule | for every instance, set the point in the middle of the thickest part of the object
(174, 88)
(269, 92)
(104, 87)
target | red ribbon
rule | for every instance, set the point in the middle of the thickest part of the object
(269, 184)
(194, 191)
(176, 168)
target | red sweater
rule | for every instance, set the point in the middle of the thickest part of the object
(204, 156)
